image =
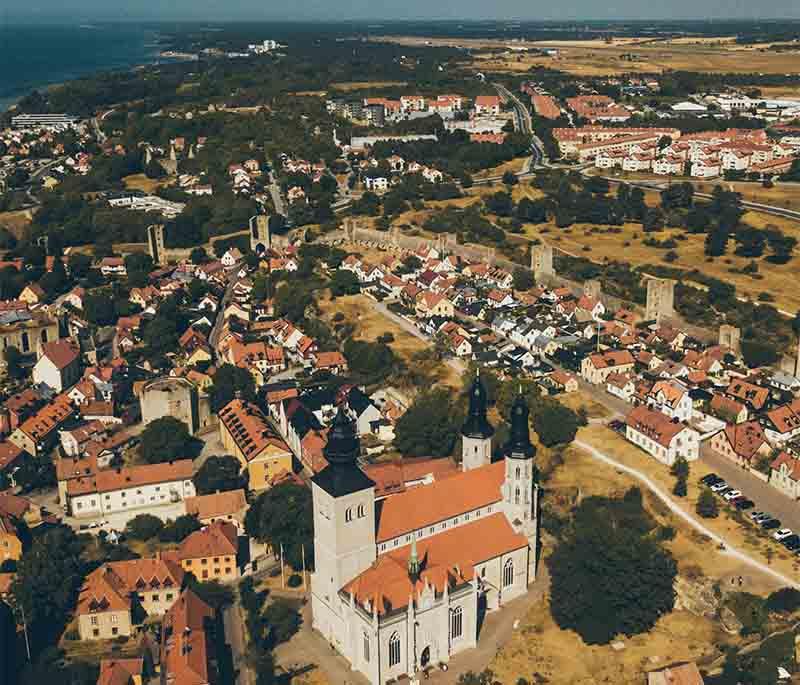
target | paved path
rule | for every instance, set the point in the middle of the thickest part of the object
(235, 637)
(691, 520)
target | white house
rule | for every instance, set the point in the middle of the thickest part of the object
(59, 367)
(661, 437)
(672, 398)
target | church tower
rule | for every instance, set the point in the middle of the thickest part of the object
(476, 433)
(344, 525)
(520, 487)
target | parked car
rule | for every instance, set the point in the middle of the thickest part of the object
(744, 504)
(710, 479)
(792, 542)
(782, 533)
(762, 516)
(771, 524)
(755, 515)
(732, 494)
(719, 487)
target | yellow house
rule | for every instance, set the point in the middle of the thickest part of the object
(247, 434)
(10, 545)
(210, 553)
(432, 304)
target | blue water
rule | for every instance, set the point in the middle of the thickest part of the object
(32, 56)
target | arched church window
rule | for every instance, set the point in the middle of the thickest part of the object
(361, 511)
(348, 515)
(394, 650)
(517, 473)
(516, 496)
(456, 623)
(366, 647)
(508, 573)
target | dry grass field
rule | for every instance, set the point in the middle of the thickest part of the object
(514, 166)
(361, 85)
(146, 185)
(15, 223)
(370, 324)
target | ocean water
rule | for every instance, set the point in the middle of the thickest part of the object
(35, 56)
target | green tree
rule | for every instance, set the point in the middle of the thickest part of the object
(49, 575)
(283, 619)
(165, 439)
(785, 600)
(608, 575)
(283, 516)
(179, 529)
(344, 282)
(707, 506)
(213, 593)
(219, 474)
(523, 279)
(144, 527)
(199, 255)
(430, 427)
(510, 178)
(680, 469)
(759, 352)
(679, 490)
(13, 359)
(291, 302)
(228, 380)
(555, 424)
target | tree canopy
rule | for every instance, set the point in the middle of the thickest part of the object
(430, 427)
(609, 576)
(165, 439)
(219, 474)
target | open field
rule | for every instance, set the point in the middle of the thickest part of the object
(780, 195)
(146, 185)
(369, 324)
(578, 399)
(15, 223)
(561, 657)
(514, 166)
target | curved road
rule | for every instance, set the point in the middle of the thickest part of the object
(731, 551)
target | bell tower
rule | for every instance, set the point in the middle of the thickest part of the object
(477, 432)
(520, 486)
(344, 525)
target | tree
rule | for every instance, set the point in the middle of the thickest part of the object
(554, 423)
(370, 361)
(707, 506)
(759, 352)
(283, 620)
(291, 302)
(228, 380)
(510, 178)
(344, 282)
(46, 586)
(609, 576)
(680, 469)
(219, 474)
(179, 529)
(144, 527)
(213, 593)
(13, 359)
(430, 427)
(523, 279)
(679, 490)
(283, 516)
(165, 439)
(785, 600)
(199, 255)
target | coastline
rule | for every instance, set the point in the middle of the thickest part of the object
(153, 46)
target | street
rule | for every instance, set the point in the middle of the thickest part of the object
(236, 639)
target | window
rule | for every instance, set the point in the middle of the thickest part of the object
(169, 597)
(516, 496)
(394, 650)
(204, 561)
(114, 631)
(362, 512)
(348, 515)
(205, 574)
(93, 620)
(96, 632)
(114, 618)
(155, 598)
(456, 623)
(366, 647)
(508, 573)
(517, 473)
(227, 571)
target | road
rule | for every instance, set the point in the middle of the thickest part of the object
(216, 329)
(275, 193)
(524, 125)
(722, 544)
(235, 638)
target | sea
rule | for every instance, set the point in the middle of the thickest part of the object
(36, 56)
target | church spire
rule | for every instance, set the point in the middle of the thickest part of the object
(519, 444)
(414, 565)
(342, 475)
(477, 425)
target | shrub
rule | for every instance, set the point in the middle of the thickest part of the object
(786, 599)
(295, 580)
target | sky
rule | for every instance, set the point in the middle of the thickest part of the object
(338, 10)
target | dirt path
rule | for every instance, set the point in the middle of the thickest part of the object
(679, 511)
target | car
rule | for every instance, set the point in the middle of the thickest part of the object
(762, 516)
(782, 533)
(744, 504)
(710, 479)
(771, 524)
(753, 515)
(719, 487)
(791, 542)
(94, 524)
(732, 494)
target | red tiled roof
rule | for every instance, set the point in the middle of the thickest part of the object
(217, 539)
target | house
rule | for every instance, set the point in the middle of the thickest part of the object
(727, 409)
(114, 596)
(249, 436)
(784, 475)
(113, 266)
(680, 674)
(782, 423)
(229, 506)
(376, 184)
(59, 367)
(10, 543)
(39, 432)
(432, 304)
(123, 489)
(563, 381)
(231, 257)
(621, 385)
(333, 362)
(741, 442)
(121, 672)
(487, 104)
(596, 367)
(754, 396)
(190, 638)
(367, 415)
(671, 398)
(661, 437)
(210, 553)
(33, 293)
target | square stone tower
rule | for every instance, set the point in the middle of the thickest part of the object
(660, 299)
(542, 261)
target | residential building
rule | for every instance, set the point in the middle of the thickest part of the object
(661, 437)
(39, 432)
(743, 443)
(229, 506)
(190, 637)
(59, 367)
(113, 596)
(247, 434)
(210, 553)
(596, 367)
(785, 475)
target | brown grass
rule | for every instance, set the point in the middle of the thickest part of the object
(576, 400)
(16, 222)
(146, 185)
(363, 85)
(514, 166)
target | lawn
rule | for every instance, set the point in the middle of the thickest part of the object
(146, 185)
(16, 222)
(514, 166)
(364, 85)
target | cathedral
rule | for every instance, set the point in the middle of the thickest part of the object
(402, 583)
